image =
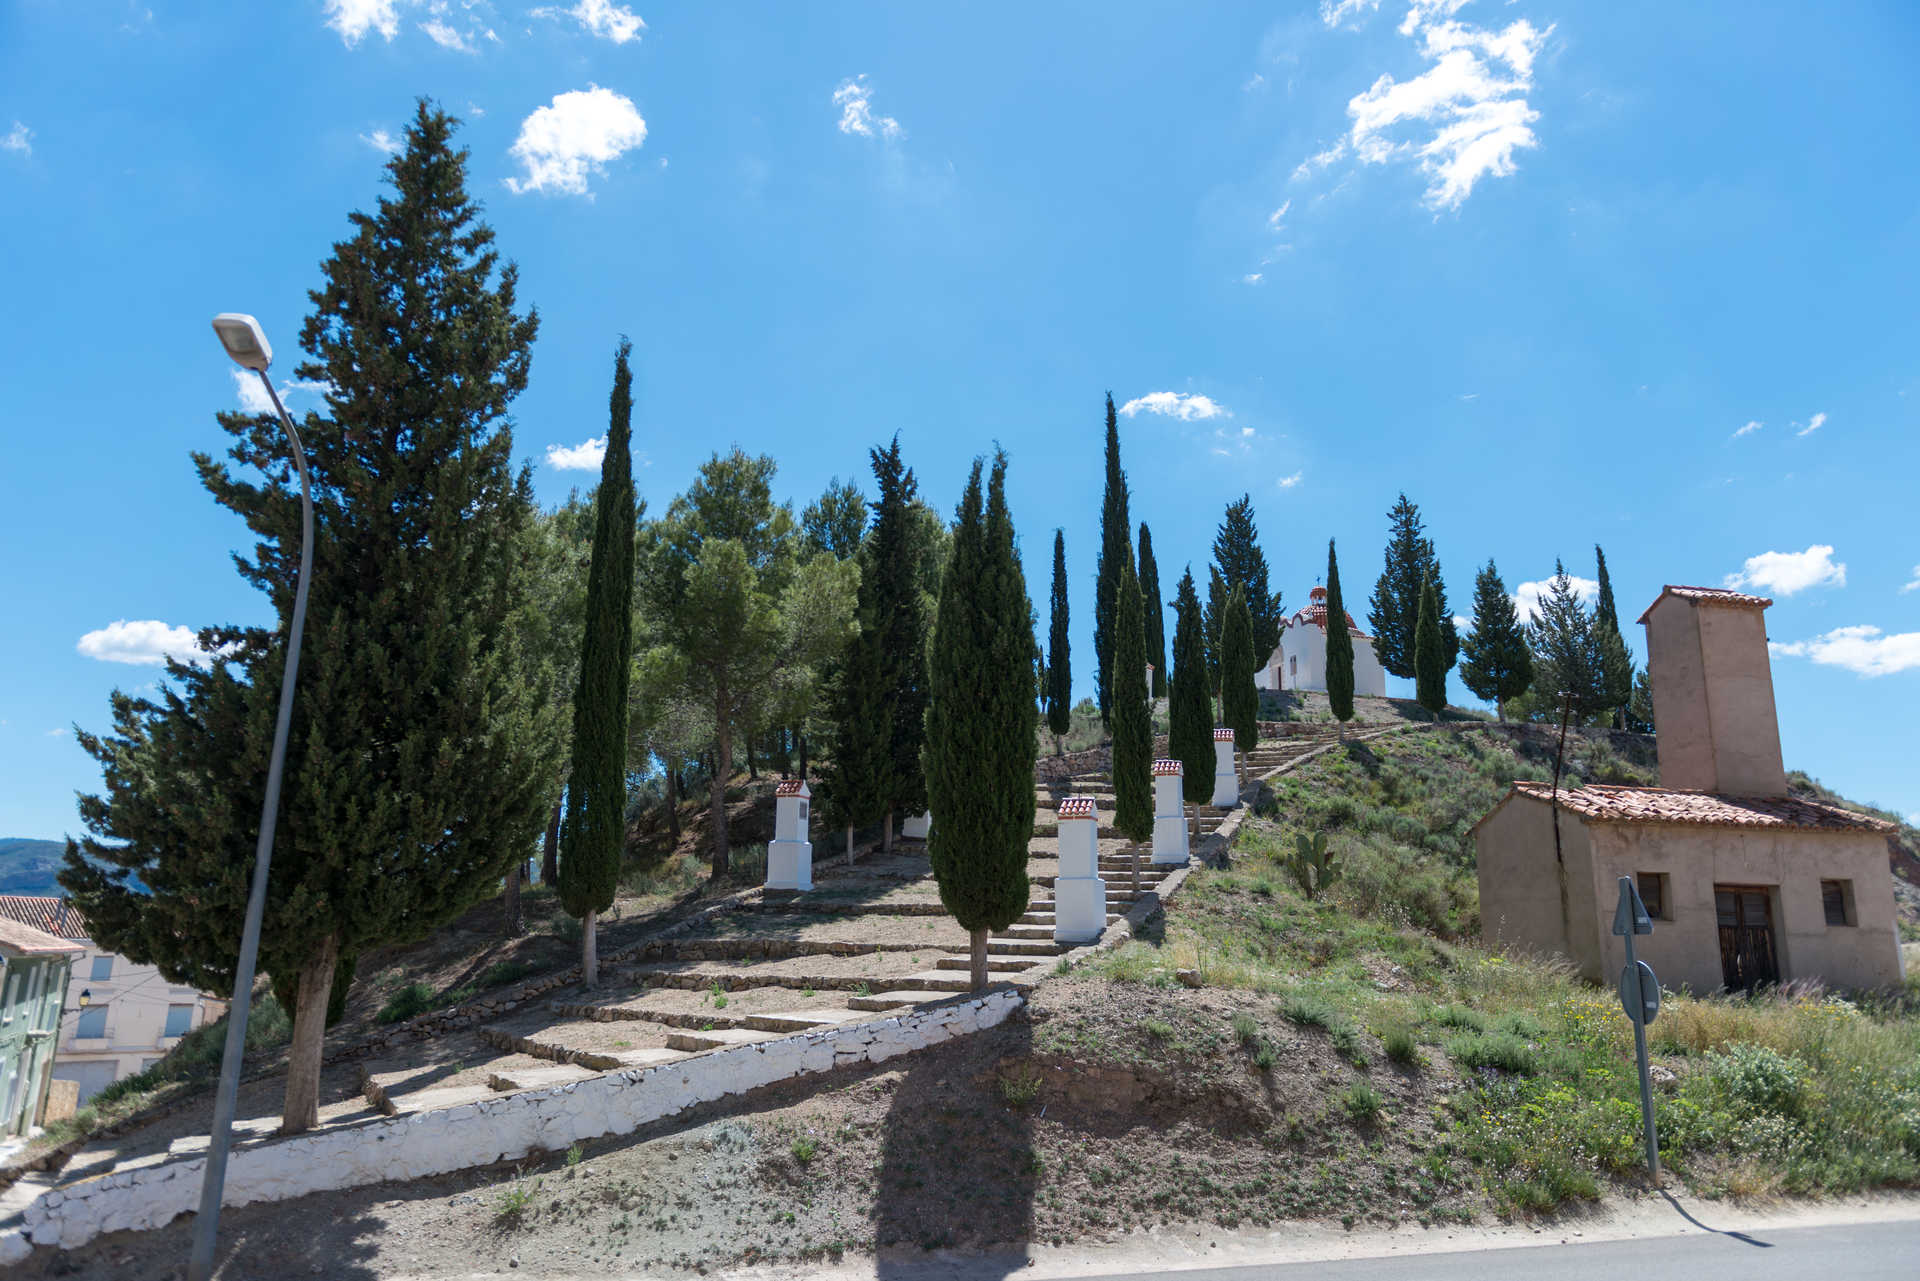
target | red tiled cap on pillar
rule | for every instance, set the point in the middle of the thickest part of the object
(1223, 735)
(1163, 767)
(1076, 807)
(791, 787)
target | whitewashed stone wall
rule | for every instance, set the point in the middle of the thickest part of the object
(478, 1133)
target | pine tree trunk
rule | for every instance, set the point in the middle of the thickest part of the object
(977, 940)
(849, 845)
(1133, 848)
(1193, 823)
(717, 794)
(800, 737)
(1559, 859)
(673, 803)
(590, 949)
(514, 926)
(886, 837)
(1243, 769)
(753, 772)
(550, 855)
(300, 1111)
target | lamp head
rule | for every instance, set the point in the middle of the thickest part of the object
(244, 340)
(86, 997)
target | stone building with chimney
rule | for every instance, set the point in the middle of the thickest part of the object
(1748, 886)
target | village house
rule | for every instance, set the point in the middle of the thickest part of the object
(121, 1017)
(34, 969)
(1747, 885)
(1300, 660)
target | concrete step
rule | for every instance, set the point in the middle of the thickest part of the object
(995, 964)
(537, 1078)
(895, 1000)
(1044, 919)
(797, 1020)
(446, 1096)
(719, 1038)
(1022, 930)
(1024, 946)
(948, 982)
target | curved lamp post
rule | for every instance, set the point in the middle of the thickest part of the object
(247, 344)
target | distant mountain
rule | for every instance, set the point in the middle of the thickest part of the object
(27, 866)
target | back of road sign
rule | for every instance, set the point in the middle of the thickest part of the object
(1639, 992)
(1630, 916)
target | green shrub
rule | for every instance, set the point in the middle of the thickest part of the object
(1245, 1029)
(1345, 1038)
(1757, 1081)
(501, 973)
(804, 1149)
(1401, 1045)
(411, 1000)
(1308, 1011)
(1362, 1103)
(1501, 1050)
(1460, 1016)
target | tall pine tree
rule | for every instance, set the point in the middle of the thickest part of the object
(1339, 644)
(1240, 563)
(422, 746)
(1394, 611)
(1616, 663)
(1494, 660)
(1569, 663)
(593, 836)
(1059, 649)
(1189, 705)
(1116, 555)
(1239, 700)
(1213, 619)
(981, 723)
(1430, 676)
(1156, 618)
(1132, 722)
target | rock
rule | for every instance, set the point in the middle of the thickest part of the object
(1664, 1078)
(1190, 978)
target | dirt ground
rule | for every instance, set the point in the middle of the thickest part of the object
(1105, 1110)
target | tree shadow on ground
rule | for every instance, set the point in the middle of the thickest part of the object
(958, 1170)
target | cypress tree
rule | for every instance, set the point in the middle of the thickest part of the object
(899, 633)
(1132, 722)
(1616, 664)
(1494, 661)
(423, 742)
(593, 836)
(1394, 611)
(980, 743)
(1116, 553)
(1339, 644)
(1059, 641)
(1156, 619)
(1430, 675)
(1240, 563)
(1214, 617)
(1239, 700)
(1189, 707)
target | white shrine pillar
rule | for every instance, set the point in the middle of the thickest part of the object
(917, 826)
(790, 854)
(1169, 817)
(1079, 895)
(1226, 780)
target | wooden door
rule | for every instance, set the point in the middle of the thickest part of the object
(1747, 956)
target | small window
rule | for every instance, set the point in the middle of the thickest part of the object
(93, 1022)
(102, 969)
(179, 1020)
(1653, 893)
(1837, 898)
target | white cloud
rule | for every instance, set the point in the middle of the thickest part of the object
(585, 456)
(1461, 623)
(1863, 650)
(1753, 425)
(447, 36)
(254, 398)
(1814, 424)
(1527, 596)
(1288, 482)
(1915, 584)
(354, 18)
(1784, 573)
(1175, 404)
(381, 140)
(601, 18)
(1335, 12)
(19, 138)
(854, 97)
(1274, 218)
(1252, 278)
(562, 144)
(1461, 120)
(60, 732)
(144, 643)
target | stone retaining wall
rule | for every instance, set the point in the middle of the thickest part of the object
(479, 1133)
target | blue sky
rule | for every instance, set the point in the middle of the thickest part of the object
(1539, 264)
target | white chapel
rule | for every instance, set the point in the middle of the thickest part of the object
(1300, 661)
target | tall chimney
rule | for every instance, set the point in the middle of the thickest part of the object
(1713, 692)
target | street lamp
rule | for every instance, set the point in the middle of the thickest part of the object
(245, 341)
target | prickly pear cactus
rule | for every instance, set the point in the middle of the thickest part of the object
(1312, 866)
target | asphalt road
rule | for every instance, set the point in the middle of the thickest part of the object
(1848, 1252)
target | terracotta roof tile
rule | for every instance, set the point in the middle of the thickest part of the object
(45, 913)
(790, 787)
(1315, 615)
(1164, 766)
(1077, 807)
(1709, 596)
(27, 941)
(1603, 804)
(1223, 735)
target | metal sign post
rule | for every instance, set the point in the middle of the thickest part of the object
(1640, 998)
